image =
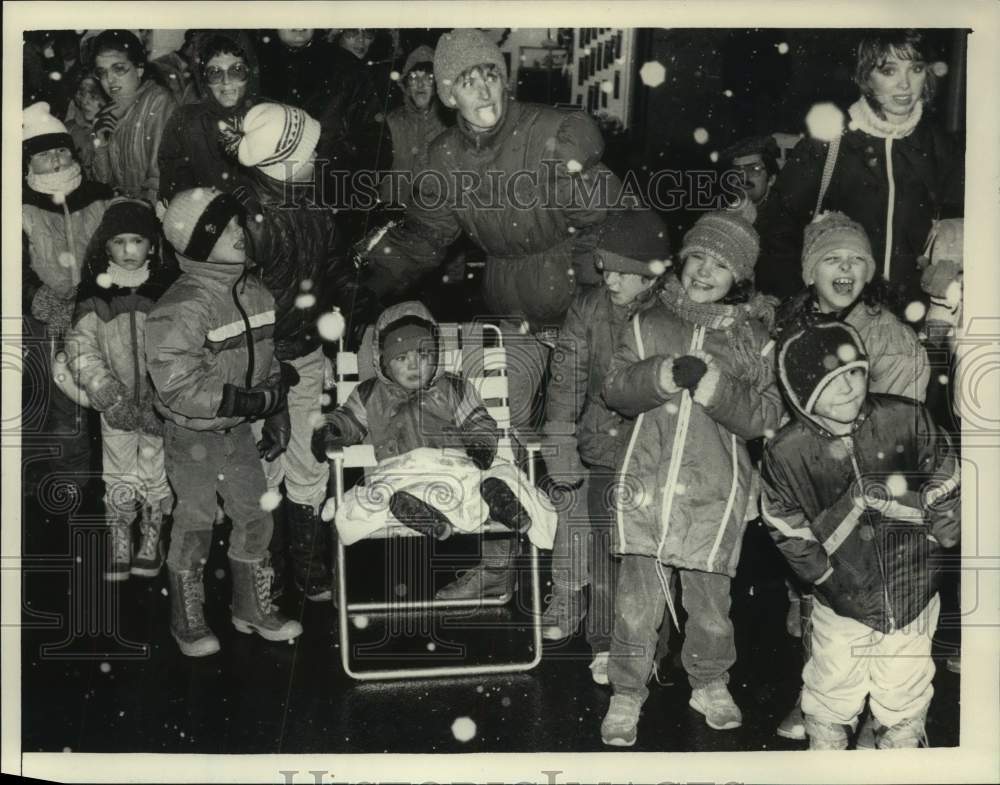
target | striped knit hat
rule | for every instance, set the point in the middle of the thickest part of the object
(195, 219)
(728, 238)
(459, 50)
(277, 139)
(814, 356)
(834, 231)
(41, 131)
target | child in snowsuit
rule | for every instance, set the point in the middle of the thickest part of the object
(412, 402)
(211, 357)
(583, 435)
(696, 371)
(106, 353)
(861, 493)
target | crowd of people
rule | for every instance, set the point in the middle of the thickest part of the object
(180, 250)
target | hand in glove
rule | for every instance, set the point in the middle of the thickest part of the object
(55, 310)
(327, 439)
(262, 400)
(481, 450)
(687, 371)
(126, 415)
(274, 438)
(105, 122)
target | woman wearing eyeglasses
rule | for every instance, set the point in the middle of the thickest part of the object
(128, 130)
(193, 150)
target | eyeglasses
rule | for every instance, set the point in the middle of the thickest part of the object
(419, 76)
(237, 72)
(752, 168)
(118, 69)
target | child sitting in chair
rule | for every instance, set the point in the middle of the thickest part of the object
(414, 412)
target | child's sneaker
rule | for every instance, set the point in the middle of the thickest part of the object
(504, 506)
(599, 667)
(119, 551)
(620, 725)
(149, 558)
(794, 725)
(718, 706)
(906, 734)
(563, 615)
(825, 735)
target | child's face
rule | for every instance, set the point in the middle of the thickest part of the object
(839, 404)
(413, 370)
(129, 250)
(230, 248)
(49, 161)
(478, 94)
(838, 279)
(296, 37)
(705, 280)
(625, 287)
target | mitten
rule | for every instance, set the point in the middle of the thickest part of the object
(56, 311)
(275, 436)
(687, 371)
(104, 397)
(151, 423)
(326, 439)
(126, 415)
(665, 376)
(481, 451)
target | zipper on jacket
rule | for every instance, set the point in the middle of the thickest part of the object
(889, 210)
(248, 334)
(849, 441)
(135, 354)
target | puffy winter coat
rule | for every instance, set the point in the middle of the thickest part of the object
(412, 132)
(871, 562)
(925, 181)
(695, 521)
(511, 190)
(594, 326)
(128, 162)
(294, 249)
(191, 153)
(395, 420)
(213, 326)
(106, 346)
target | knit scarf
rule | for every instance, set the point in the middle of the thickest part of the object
(734, 320)
(863, 118)
(128, 279)
(64, 181)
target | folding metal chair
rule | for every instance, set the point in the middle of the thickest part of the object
(485, 366)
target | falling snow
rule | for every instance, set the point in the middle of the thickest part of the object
(657, 267)
(940, 69)
(305, 301)
(573, 165)
(330, 326)
(463, 729)
(700, 135)
(105, 667)
(782, 48)
(713, 156)
(394, 76)
(104, 281)
(896, 483)
(847, 353)
(329, 510)
(270, 500)
(824, 121)
(55, 76)
(220, 574)
(66, 259)
(653, 74)
(607, 87)
(198, 452)
(361, 622)
(915, 311)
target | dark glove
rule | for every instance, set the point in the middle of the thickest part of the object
(125, 415)
(688, 371)
(105, 122)
(56, 311)
(274, 438)
(327, 439)
(481, 451)
(254, 403)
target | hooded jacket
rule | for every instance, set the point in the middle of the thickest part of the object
(531, 225)
(877, 179)
(128, 162)
(395, 420)
(691, 516)
(213, 326)
(106, 345)
(192, 152)
(594, 326)
(870, 562)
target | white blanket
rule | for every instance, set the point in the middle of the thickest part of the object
(449, 481)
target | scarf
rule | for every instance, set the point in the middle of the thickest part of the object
(863, 118)
(63, 182)
(128, 279)
(734, 320)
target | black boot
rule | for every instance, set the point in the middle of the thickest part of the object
(504, 506)
(308, 546)
(419, 516)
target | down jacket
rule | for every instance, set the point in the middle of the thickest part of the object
(872, 562)
(594, 326)
(412, 131)
(516, 192)
(213, 326)
(737, 400)
(395, 420)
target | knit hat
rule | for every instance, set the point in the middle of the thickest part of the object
(459, 50)
(195, 219)
(129, 216)
(728, 238)
(812, 357)
(40, 131)
(422, 54)
(277, 139)
(830, 232)
(629, 240)
(397, 341)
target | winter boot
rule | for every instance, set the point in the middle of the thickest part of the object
(307, 545)
(119, 548)
(504, 506)
(494, 578)
(906, 734)
(825, 735)
(420, 516)
(253, 610)
(793, 726)
(187, 613)
(599, 668)
(149, 558)
(718, 706)
(620, 725)
(563, 615)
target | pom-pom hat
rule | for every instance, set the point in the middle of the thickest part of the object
(41, 131)
(831, 232)
(277, 139)
(726, 237)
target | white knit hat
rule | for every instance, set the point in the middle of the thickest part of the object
(40, 131)
(277, 139)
